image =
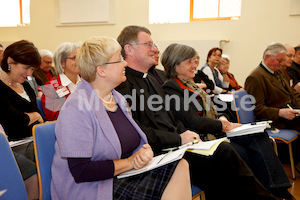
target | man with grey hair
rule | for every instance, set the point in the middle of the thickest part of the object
(272, 92)
(45, 72)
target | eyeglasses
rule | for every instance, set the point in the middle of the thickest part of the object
(71, 58)
(118, 61)
(218, 55)
(290, 56)
(147, 44)
(279, 60)
(47, 62)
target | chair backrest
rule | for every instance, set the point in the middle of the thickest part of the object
(44, 140)
(40, 107)
(244, 107)
(10, 176)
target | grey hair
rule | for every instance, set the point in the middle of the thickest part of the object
(46, 53)
(226, 57)
(61, 54)
(174, 55)
(274, 48)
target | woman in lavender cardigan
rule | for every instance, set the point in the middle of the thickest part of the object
(97, 139)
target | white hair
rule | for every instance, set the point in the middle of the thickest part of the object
(46, 53)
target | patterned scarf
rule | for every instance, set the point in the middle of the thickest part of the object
(191, 86)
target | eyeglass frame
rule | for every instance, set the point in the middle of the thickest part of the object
(118, 61)
(291, 56)
(148, 44)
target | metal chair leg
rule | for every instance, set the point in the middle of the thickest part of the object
(292, 161)
(274, 145)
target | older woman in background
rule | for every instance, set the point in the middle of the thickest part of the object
(45, 71)
(57, 90)
(219, 79)
(224, 68)
(255, 149)
(97, 138)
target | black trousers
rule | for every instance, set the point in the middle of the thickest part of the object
(224, 175)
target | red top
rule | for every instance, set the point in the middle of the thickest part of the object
(49, 75)
(51, 102)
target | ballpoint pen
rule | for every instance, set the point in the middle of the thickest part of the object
(164, 156)
(290, 107)
(176, 148)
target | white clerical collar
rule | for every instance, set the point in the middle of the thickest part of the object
(145, 75)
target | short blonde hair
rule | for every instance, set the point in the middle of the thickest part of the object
(93, 53)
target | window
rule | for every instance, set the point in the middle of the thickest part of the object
(215, 10)
(15, 13)
(184, 11)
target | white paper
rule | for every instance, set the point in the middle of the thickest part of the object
(225, 97)
(246, 129)
(156, 162)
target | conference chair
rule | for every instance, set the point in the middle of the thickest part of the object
(246, 115)
(40, 107)
(11, 181)
(197, 193)
(43, 141)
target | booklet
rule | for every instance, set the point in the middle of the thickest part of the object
(204, 148)
(246, 129)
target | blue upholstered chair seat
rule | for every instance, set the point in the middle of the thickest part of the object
(247, 116)
(195, 190)
(285, 135)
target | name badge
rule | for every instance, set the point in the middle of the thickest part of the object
(62, 92)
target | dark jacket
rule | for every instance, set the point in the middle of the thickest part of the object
(294, 72)
(200, 76)
(191, 117)
(13, 108)
(158, 136)
(41, 77)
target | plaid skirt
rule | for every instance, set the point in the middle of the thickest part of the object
(148, 185)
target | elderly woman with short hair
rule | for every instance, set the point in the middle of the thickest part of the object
(97, 138)
(45, 71)
(57, 90)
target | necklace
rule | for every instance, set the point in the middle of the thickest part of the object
(9, 83)
(110, 100)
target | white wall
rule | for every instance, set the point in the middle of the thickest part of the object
(261, 23)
